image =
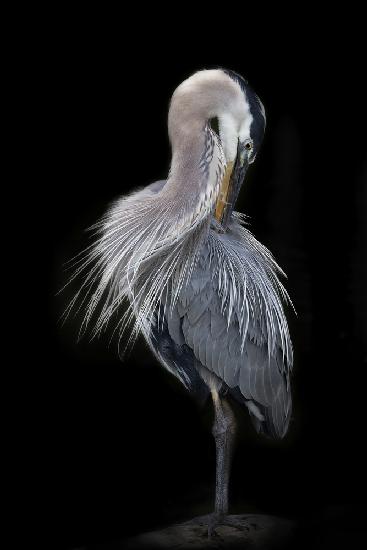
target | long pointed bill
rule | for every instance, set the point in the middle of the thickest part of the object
(230, 186)
(223, 193)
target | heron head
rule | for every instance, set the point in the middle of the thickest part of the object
(241, 126)
(239, 118)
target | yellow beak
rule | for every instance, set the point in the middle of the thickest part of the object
(223, 192)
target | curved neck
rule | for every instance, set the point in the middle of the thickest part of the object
(188, 150)
(198, 158)
(196, 173)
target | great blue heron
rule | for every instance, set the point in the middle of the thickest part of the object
(200, 288)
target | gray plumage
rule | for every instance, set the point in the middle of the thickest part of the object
(202, 290)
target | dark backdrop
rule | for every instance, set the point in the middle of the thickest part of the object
(121, 448)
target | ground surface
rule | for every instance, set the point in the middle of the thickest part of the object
(255, 532)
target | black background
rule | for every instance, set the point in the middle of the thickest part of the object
(120, 448)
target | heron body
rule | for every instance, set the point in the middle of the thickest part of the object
(201, 289)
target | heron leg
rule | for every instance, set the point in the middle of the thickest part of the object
(223, 432)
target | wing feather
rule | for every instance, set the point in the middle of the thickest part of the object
(217, 342)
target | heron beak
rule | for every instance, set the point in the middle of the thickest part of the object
(223, 192)
(231, 185)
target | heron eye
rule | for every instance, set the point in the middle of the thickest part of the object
(248, 145)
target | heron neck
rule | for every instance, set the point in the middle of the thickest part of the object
(187, 151)
(193, 179)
